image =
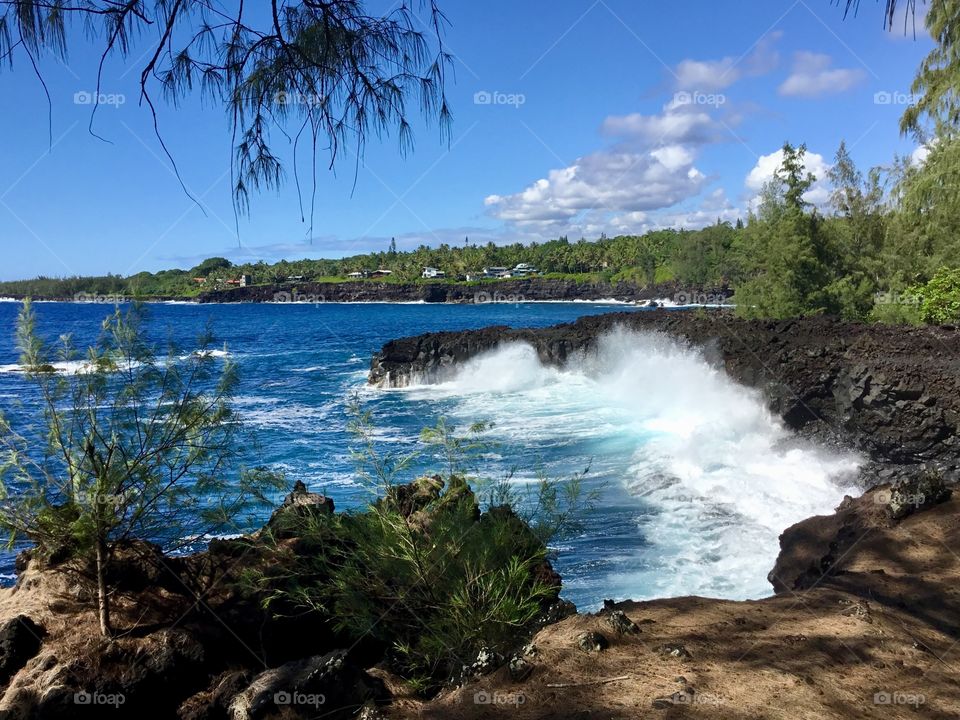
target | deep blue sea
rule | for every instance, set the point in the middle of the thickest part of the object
(696, 479)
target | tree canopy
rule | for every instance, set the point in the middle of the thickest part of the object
(329, 73)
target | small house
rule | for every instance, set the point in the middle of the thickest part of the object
(430, 273)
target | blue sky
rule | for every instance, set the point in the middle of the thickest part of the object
(570, 117)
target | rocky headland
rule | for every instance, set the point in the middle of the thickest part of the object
(889, 392)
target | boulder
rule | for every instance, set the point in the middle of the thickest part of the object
(214, 702)
(327, 685)
(621, 624)
(20, 640)
(592, 642)
(298, 506)
(924, 490)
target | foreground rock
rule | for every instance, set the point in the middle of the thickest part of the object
(890, 392)
(864, 625)
(196, 638)
(873, 635)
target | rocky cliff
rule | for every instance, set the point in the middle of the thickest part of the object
(890, 392)
(533, 289)
(866, 626)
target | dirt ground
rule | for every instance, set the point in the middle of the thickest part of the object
(876, 639)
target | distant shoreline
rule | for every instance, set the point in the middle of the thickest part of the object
(515, 291)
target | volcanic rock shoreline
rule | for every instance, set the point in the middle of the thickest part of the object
(517, 290)
(864, 622)
(891, 393)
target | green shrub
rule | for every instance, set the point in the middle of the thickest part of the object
(422, 571)
(940, 298)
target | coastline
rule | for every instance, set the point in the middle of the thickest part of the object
(863, 603)
(514, 291)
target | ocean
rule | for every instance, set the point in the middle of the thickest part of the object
(695, 478)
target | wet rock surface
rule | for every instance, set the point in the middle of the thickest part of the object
(892, 393)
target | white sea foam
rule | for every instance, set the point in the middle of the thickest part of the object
(67, 367)
(714, 476)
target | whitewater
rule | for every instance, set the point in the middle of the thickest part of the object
(706, 475)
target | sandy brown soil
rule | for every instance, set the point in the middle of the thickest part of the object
(877, 638)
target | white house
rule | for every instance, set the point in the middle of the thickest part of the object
(525, 269)
(430, 272)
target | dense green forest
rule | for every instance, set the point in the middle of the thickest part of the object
(884, 248)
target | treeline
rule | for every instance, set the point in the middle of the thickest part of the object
(885, 248)
(655, 257)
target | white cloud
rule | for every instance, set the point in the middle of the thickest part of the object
(707, 75)
(614, 180)
(812, 77)
(651, 167)
(679, 124)
(767, 166)
(712, 75)
(919, 156)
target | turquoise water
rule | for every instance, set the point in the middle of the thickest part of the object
(696, 479)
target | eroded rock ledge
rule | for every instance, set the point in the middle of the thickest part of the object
(866, 616)
(892, 393)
